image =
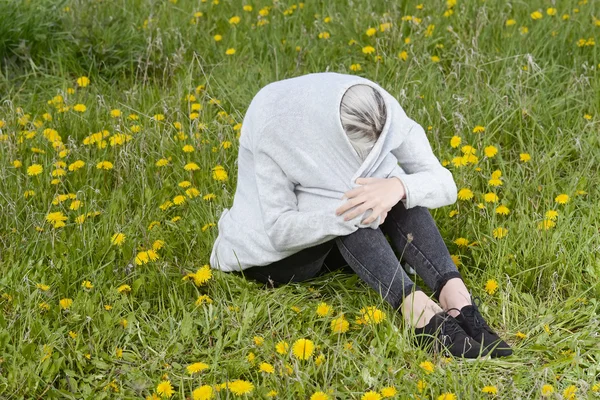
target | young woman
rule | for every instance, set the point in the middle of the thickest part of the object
(328, 165)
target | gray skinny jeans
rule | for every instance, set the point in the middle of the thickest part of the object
(367, 252)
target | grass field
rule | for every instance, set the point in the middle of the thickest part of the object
(119, 127)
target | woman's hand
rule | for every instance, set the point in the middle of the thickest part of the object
(379, 194)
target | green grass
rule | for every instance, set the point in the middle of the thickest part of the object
(536, 92)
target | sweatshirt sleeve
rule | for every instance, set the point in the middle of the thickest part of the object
(426, 181)
(286, 226)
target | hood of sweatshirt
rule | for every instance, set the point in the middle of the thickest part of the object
(297, 121)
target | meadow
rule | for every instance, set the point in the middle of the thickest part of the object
(119, 128)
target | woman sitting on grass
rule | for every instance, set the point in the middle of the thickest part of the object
(328, 165)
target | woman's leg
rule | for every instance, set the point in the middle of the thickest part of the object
(300, 266)
(414, 233)
(369, 254)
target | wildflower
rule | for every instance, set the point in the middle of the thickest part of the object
(569, 392)
(191, 166)
(524, 157)
(230, 51)
(142, 258)
(435, 59)
(465, 194)
(452, 213)
(240, 387)
(83, 81)
(124, 289)
(547, 390)
(562, 198)
(389, 391)
(165, 389)
(79, 108)
(403, 55)
(217, 37)
(282, 347)
(250, 357)
(371, 395)
(479, 129)
(455, 260)
(266, 367)
(65, 303)
(303, 348)
(219, 173)
(536, 15)
(204, 392)
(427, 366)
(87, 284)
(104, 165)
(42, 287)
(115, 113)
(491, 286)
(490, 389)
(196, 367)
(76, 165)
(368, 49)
(57, 219)
(179, 199)
(510, 22)
(203, 299)
(118, 238)
(546, 224)
(421, 385)
(323, 309)
(234, 20)
(202, 275)
(372, 314)
(319, 396)
(455, 141)
(520, 335)
(371, 31)
(339, 325)
(500, 232)
(258, 340)
(462, 242)
(490, 197)
(158, 117)
(490, 151)
(162, 162)
(446, 396)
(209, 196)
(34, 169)
(502, 210)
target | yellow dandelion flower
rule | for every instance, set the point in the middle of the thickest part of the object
(115, 113)
(65, 303)
(427, 366)
(465, 194)
(104, 165)
(323, 309)
(118, 239)
(491, 286)
(502, 210)
(219, 173)
(490, 197)
(490, 389)
(83, 81)
(282, 347)
(303, 348)
(196, 367)
(204, 392)
(178, 199)
(536, 15)
(520, 335)
(165, 389)
(569, 392)
(34, 169)
(79, 108)
(258, 340)
(389, 391)
(372, 314)
(490, 151)
(339, 325)
(368, 49)
(319, 396)
(462, 242)
(524, 157)
(479, 129)
(202, 275)
(499, 232)
(87, 285)
(546, 224)
(266, 367)
(446, 396)
(547, 390)
(455, 141)
(240, 387)
(192, 166)
(124, 288)
(371, 395)
(230, 51)
(562, 198)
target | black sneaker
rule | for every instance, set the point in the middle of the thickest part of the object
(471, 320)
(447, 334)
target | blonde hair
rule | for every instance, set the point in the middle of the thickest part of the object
(363, 115)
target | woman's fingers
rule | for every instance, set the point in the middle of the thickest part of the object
(383, 217)
(359, 210)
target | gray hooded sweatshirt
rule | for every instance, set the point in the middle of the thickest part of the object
(295, 163)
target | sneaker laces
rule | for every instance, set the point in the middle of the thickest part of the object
(477, 321)
(450, 327)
